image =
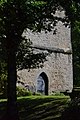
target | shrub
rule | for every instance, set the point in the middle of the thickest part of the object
(23, 92)
(58, 94)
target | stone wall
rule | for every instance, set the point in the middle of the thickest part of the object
(58, 66)
(58, 69)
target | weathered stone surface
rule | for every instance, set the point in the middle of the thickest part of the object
(58, 67)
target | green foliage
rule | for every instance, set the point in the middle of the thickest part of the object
(58, 94)
(3, 80)
(26, 58)
(76, 52)
(36, 3)
(37, 94)
(75, 20)
(23, 92)
(18, 15)
(2, 1)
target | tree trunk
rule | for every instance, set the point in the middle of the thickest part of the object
(12, 112)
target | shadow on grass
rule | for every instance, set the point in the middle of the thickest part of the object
(73, 110)
(38, 107)
(2, 109)
(41, 108)
(46, 108)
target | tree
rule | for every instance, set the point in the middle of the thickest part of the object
(13, 20)
(3, 79)
(75, 20)
(15, 17)
(76, 53)
(72, 9)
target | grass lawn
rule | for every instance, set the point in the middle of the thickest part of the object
(39, 107)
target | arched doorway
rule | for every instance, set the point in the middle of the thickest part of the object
(42, 83)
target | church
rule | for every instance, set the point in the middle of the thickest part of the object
(56, 75)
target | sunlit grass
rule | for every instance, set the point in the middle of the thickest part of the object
(42, 97)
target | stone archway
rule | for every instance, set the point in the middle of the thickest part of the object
(42, 83)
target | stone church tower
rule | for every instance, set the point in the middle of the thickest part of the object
(57, 73)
